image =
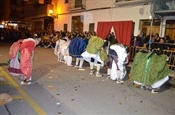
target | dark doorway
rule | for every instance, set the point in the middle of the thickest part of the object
(77, 24)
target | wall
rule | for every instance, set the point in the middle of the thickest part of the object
(93, 15)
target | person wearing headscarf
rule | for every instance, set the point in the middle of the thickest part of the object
(21, 54)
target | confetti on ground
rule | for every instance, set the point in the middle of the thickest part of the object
(51, 87)
(51, 70)
(58, 103)
(82, 77)
(2, 79)
(53, 97)
(58, 94)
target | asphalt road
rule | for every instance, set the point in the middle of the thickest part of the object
(58, 89)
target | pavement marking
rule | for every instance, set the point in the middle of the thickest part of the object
(32, 103)
(19, 97)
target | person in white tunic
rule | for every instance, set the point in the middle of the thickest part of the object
(118, 58)
(62, 52)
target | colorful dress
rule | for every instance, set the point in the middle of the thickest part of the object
(21, 54)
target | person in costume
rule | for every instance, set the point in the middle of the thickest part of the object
(76, 48)
(118, 58)
(21, 54)
(149, 70)
(61, 50)
(95, 54)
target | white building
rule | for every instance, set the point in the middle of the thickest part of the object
(88, 13)
(95, 11)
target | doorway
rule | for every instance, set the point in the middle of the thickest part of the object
(77, 24)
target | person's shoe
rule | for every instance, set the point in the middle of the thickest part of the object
(108, 77)
(99, 75)
(91, 72)
(155, 90)
(119, 81)
(81, 69)
(22, 77)
(76, 66)
(26, 82)
(136, 85)
(69, 65)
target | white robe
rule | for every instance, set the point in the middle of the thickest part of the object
(122, 60)
(62, 52)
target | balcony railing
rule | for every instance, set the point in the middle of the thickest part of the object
(76, 5)
(164, 7)
(121, 3)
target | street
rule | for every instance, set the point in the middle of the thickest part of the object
(58, 89)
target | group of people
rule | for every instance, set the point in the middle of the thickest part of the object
(98, 53)
(150, 41)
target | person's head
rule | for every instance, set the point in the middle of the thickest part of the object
(161, 40)
(37, 40)
(156, 35)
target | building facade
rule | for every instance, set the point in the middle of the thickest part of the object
(84, 15)
(148, 16)
(12, 14)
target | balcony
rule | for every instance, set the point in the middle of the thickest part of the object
(38, 12)
(76, 5)
(164, 8)
(121, 3)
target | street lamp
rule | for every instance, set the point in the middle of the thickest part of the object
(52, 14)
(151, 27)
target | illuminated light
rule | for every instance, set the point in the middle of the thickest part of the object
(51, 11)
(53, 14)
(1, 26)
(150, 17)
(11, 24)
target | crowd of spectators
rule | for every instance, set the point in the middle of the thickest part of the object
(155, 41)
(48, 39)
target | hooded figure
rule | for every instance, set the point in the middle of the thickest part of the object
(118, 58)
(149, 69)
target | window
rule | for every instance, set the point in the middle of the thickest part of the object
(145, 26)
(65, 28)
(78, 3)
(77, 24)
(91, 27)
(66, 1)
